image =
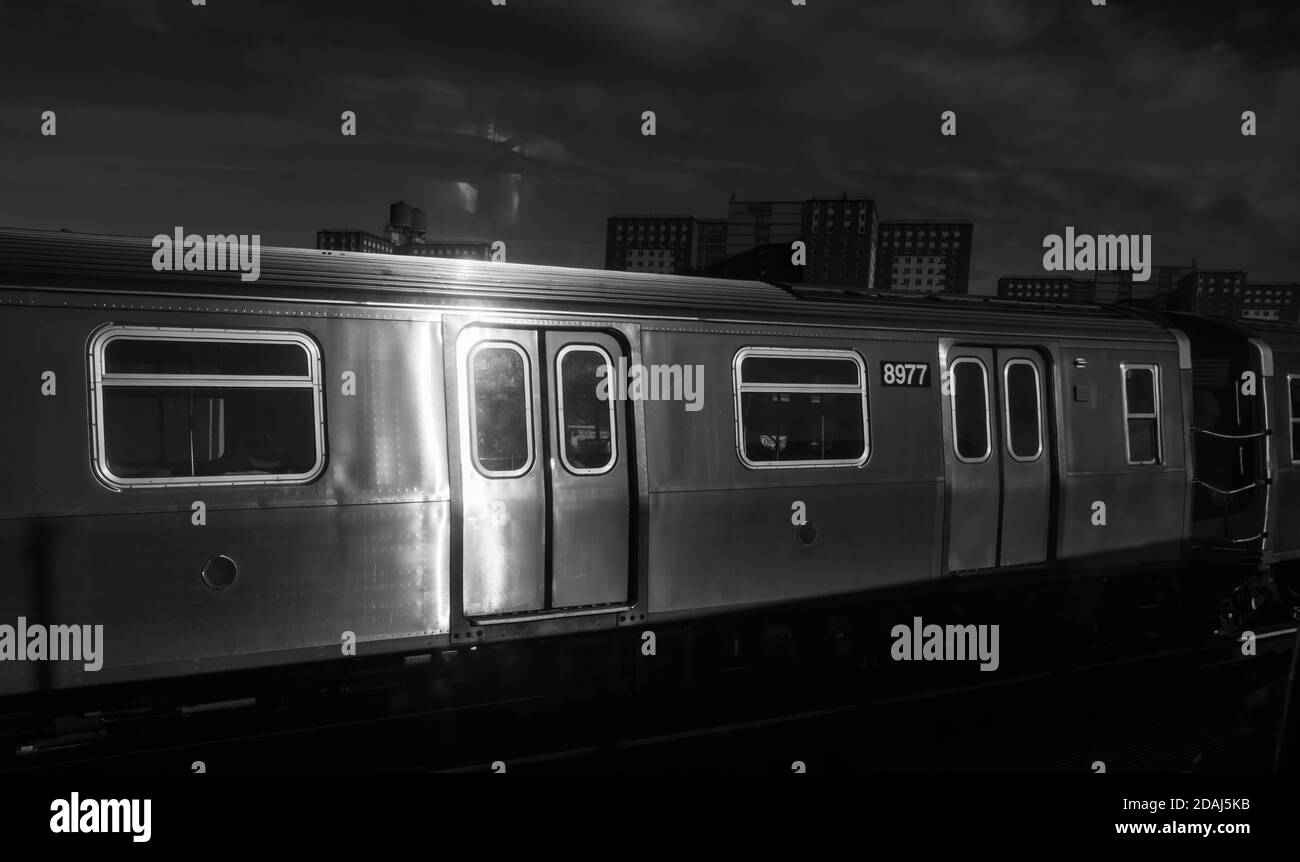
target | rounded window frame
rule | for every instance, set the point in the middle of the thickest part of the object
(577, 347)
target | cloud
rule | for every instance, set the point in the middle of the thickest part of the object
(1122, 116)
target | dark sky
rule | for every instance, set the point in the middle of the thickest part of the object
(225, 118)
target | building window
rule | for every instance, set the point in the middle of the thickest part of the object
(176, 406)
(801, 408)
(501, 409)
(1142, 413)
(970, 410)
(1023, 407)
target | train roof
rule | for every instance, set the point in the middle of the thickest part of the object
(61, 260)
(1276, 334)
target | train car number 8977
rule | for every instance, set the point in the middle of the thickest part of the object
(905, 373)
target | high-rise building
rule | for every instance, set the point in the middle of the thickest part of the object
(1210, 291)
(1162, 284)
(353, 240)
(1219, 292)
(759, 235)
(710, 243)
(754, 224)
(465, 250)
(840, 234)
(1114, 285)
(924, 256)
(403, 234)
(1271, 301)
(650, 243)
(1047, 288)
(845, 244)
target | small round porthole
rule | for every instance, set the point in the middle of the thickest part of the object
(219, 573)
(806, 534)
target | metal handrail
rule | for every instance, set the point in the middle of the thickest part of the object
(1265, 433)
(1217, 490)
(1223, 495)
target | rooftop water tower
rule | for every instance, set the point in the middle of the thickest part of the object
(399, 214)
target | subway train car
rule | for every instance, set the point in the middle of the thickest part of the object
(1245, 397)
(1245, 453)
(408, 455)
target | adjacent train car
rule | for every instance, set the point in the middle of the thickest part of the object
(407, 455)
(1245, 447)
(1280, 401)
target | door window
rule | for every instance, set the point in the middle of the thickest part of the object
(970, 409)
(501, 413)
(1024, 418)
(586, 418)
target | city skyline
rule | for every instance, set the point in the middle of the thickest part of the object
(1143, 137)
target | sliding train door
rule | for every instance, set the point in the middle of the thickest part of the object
(544, 454)
(590, 504)
(503, 484)
(998, 456)
(1026, 507)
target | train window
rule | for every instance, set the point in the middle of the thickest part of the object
(970, 409)
(501, 419)
(586, 420)
(1142, 413)
(1023, 405)
(801, 408)
(179, 406)
(156, 356)
(1294, 383)
(759, 369)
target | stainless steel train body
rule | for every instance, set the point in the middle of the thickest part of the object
(408, 453)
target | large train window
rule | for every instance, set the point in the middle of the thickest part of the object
(1142, 413)
(182, 406)
(586, 419)
(501, 412)
(1023, 405)
(970, 409)
(801, 408)
(1293, 382)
